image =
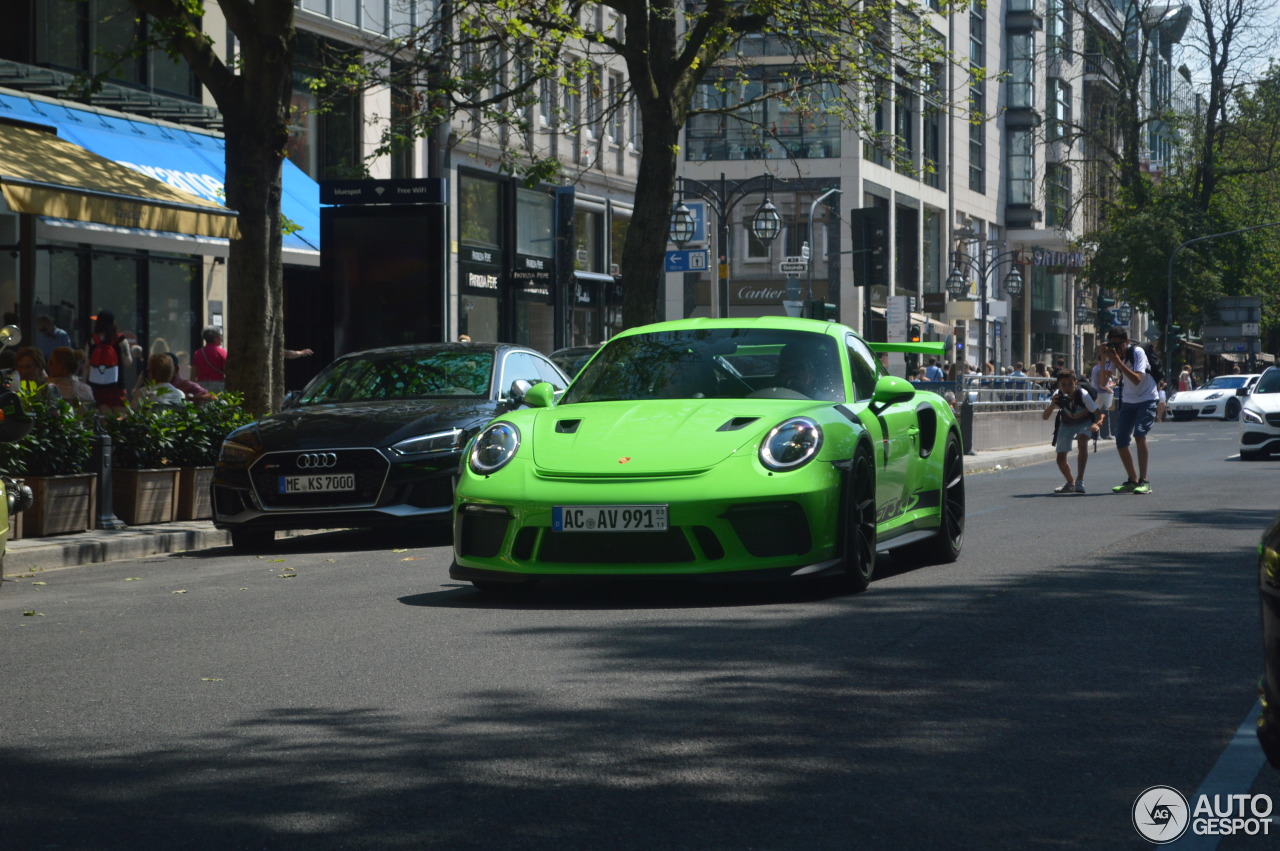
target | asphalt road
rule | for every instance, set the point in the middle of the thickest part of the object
(344, 693)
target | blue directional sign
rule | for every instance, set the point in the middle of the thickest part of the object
(688, 260)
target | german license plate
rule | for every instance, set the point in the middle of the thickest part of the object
(318, 484)
(609, 518)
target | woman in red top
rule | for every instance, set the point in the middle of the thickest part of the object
(210, 362)
(106, 355)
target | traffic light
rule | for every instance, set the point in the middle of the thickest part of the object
(870, 227)
(824, 311)
(1106, 318)
(1175, 338)
(913, 334)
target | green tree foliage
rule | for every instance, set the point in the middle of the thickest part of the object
(480, 67)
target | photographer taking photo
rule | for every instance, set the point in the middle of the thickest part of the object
(1079, 419)
(1138, 393)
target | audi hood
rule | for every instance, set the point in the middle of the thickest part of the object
(359, 424)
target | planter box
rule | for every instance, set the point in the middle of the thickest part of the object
(194, 499)
(61, 504)
(142, 497)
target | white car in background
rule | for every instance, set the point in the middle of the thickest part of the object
(1260, 418)
(1222, 397)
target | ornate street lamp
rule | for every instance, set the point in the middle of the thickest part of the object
(956, 284)
(1013, 282)
(1083, 312)
(682, 224)
(721, 197)
(1123, 314)
(766, 224)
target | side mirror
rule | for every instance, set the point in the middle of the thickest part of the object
(519, 389)
(10, 335)
(891, 390)
(541, 395)
(290, 399)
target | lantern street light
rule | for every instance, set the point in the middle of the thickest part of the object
(682, 224)
(1123, 314)
(721, 197)
(980, 266)
(1083, 312)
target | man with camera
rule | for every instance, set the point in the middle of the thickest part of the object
(1139, 395)
(1078, 420)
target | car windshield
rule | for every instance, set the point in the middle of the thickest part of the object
(1269, 382)
(399, 375)
(721, 363)
(1226, 382)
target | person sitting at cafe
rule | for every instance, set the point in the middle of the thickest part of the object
(158, 387)
(64, 374)
(29, 364)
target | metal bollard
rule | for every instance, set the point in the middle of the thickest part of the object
(966, 423)
(102, 463)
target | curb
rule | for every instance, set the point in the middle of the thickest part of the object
(99, 546)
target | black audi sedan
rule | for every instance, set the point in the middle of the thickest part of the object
(1269, 587)
(374, 440)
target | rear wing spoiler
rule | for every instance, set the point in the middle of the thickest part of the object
(939, 349)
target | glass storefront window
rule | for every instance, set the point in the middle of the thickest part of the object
(115, 288)
(479, 211)
(57, 292)
(535, 223)
(587, 226)
(171, 319)
(478, 317)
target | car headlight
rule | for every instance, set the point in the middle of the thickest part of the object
(1213, 396)
(1251, 416)
(791, 444)
(441, 441)
(493, 448)
(236, 453)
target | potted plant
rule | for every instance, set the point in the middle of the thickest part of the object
(54, 461)
(144, 477)
(202, 430)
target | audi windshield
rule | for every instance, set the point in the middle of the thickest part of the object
(379, 376)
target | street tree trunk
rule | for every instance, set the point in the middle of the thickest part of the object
(254, 100)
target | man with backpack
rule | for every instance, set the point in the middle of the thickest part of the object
(1138, 393)
(1079, 419)
(107, 354)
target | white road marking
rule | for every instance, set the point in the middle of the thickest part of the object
(1233, 774)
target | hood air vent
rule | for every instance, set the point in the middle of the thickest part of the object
(737, 423)
(567, 426)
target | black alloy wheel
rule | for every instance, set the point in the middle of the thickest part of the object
(944, 546)
(858, 532)
(1233, 410)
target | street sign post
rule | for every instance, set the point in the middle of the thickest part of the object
(793, 264)
(687, 260)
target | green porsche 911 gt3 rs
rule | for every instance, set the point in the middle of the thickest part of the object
(716, 448)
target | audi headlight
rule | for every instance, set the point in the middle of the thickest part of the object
(1213, 396)
(236, 453)
(493, 448)
(791, 445)
(1251, 416)
(441, 441)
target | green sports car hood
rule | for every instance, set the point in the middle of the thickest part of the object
(653, 438)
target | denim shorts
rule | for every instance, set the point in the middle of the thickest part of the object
(1134, 420)
(1068, 432)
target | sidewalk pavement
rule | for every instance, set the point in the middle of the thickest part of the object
(27, 555)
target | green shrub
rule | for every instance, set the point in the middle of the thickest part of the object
(60, 442)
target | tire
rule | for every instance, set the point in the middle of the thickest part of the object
(252, 540)
(1233, 410)
(858, 525)
(944, 546)
(1252, 456)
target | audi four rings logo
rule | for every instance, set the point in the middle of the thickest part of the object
(316, 460)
